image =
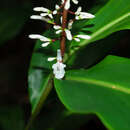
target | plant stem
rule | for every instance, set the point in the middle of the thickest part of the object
(63, 36)
(47, 90)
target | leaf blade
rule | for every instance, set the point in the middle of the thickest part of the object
(102, 89)
(107, 21)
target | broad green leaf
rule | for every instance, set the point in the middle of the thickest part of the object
(114, 16)
(40, 84)
(94, 53)
(40, 75)
(103, 89)
(40, 71)
(12, 19)
(59, 118)
(79, 120)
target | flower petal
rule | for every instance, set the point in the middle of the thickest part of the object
(77, 17)
(62, 1)
(42, 9)
(84, 36)
(55, 12)
(57, 27)
(59, 57)
(75, 1)
(45, 44)
(40, 37)
(36, 17)
(57, 7)
(70, 24)
(77, 39)
(61, 19)
(35, 36)
(68, 34)
(86, 15)
(67, 5)
(58, 70)
(45, 39)
(51, 58)
(50, 15)
(58, 32)
(78, 10)
(44, 14)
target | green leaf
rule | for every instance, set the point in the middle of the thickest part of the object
(40, 83)
(103, 89)
(60, 118)
(95, 52)
(12, 19)
(40, 71)
(40, 76)
(114, 16)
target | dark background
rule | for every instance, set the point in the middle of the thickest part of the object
(15, 56)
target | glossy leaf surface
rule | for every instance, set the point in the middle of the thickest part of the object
(103, 89)
(114, 16)
(40, 73)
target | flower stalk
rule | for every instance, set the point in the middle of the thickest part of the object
(64, 29)
(63, 36)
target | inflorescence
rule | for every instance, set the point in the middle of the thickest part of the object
(64, 29)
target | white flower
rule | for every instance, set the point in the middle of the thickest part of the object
(57, 7)
(62, 1)
(67, 31)
(58, 68)
(61, 19)
(58, 29)
(51, 58)
(68, 34)
(45, 44)
(75, 1)
(82, 15)
(59, 57)
(46, 12)
(77, 37)
(46, 40)
(70, 24)
(40, 37)
(41, 9)
(55, 12)
(39, 17)
(67, 4)
(78, 11)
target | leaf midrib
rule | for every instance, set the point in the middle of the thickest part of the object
(105, 27)
(42, 93)
(100, 83)
(101, 30)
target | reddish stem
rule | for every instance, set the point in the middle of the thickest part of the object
(63, 36)
(53, 40)
(71, 12)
